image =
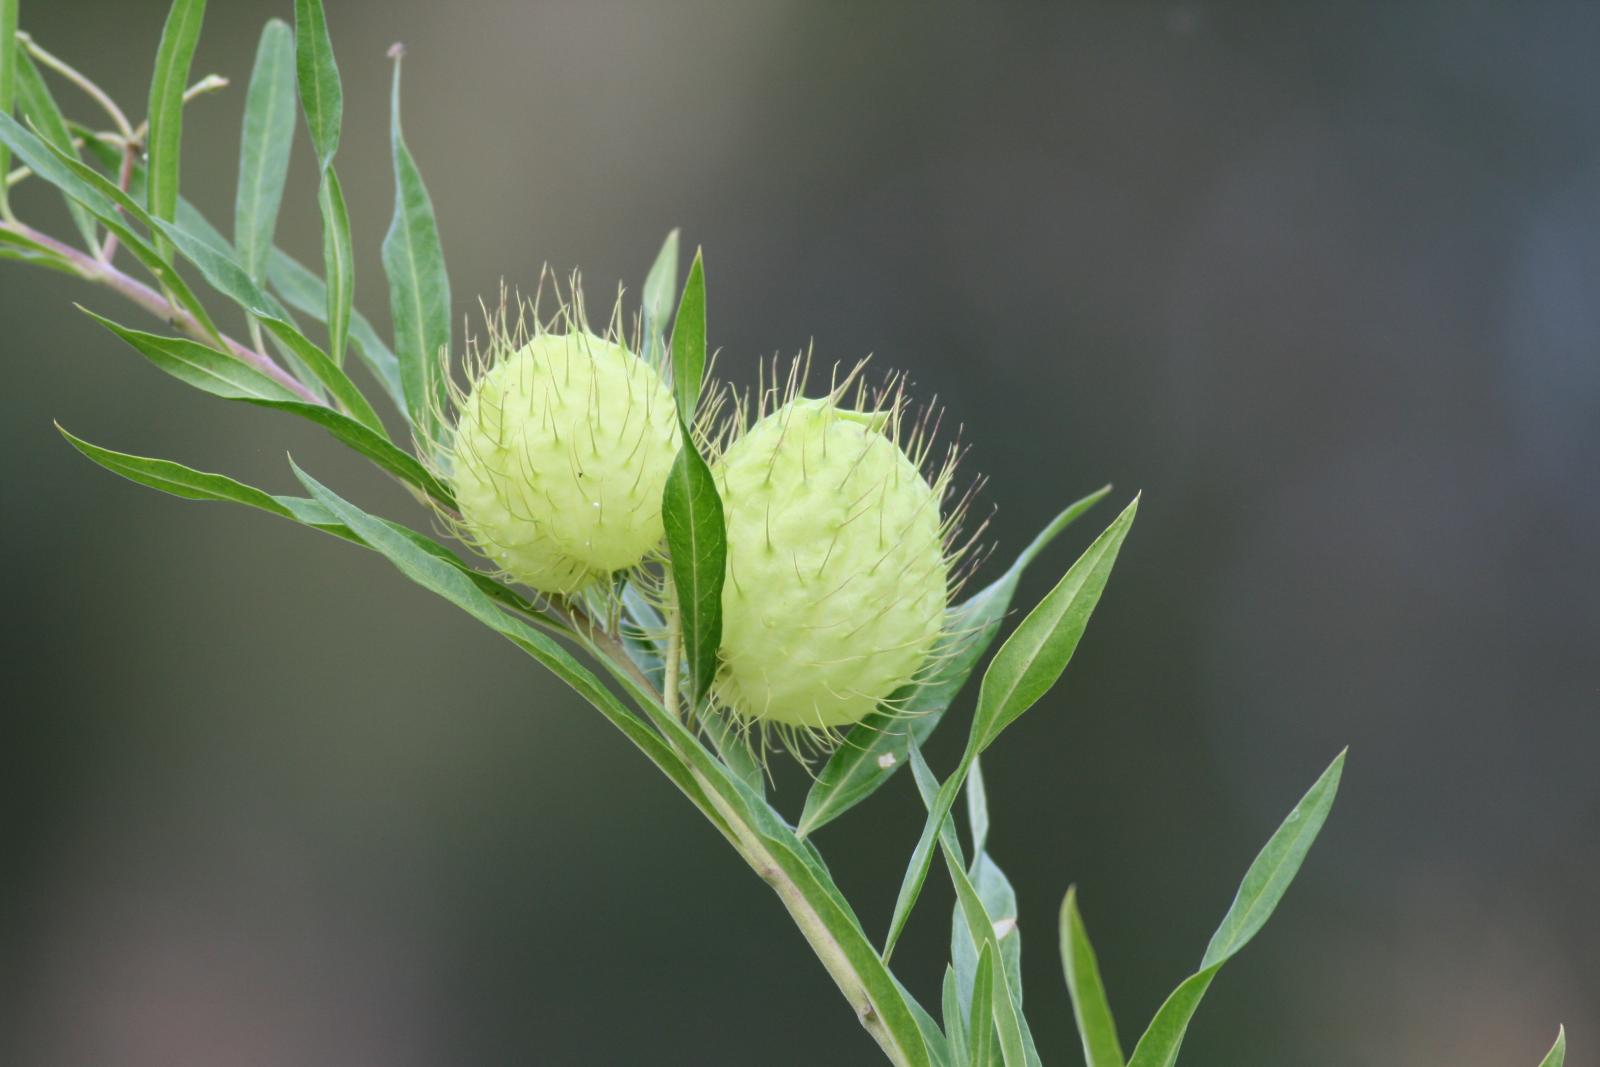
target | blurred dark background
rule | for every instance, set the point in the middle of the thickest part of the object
(1320, 280)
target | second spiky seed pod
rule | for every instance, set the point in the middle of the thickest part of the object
(837, 575)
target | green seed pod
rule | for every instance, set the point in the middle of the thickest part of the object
(561, 453)
(837, 575)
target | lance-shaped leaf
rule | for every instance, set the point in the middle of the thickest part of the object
(321, 95)
(222, 375)
(954, 1011)
(1038, 651)
(338, 261)
(689, 343)
(691, 509)
(40, 109)
(178, 480)
(1557, 1056)
(163, 144)
(1090, 1007)
(983, 1042)
(1259, 894)
(876, 747)
(419, 287)
(1030, 661)
(264, 146)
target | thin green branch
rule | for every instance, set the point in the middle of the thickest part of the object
(77, 78)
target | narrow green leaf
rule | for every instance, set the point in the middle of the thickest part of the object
(983, 1043)
(691, 511)
(1037, 652)
(204, 368)
(1090, 1007)
(689, 343)
(656, 301)
(419, 285)
(222, 375)
(171, 77)
(175, 478)
(1557, 1055)
(954, 1012)
(9, 51)
(1274, 868)
(338, 262)
(304, 292)
(877, 746)
(40, 108)
(264, 147)
(321, 96)
(1259, 894)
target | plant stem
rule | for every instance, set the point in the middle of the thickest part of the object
(91, 269)
(608, 651)
(669, 681)
(811, 925)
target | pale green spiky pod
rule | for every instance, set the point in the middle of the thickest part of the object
(837, 574)
(561, 452)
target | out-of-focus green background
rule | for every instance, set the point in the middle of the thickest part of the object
(1323, 282)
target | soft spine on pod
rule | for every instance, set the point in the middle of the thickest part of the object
(837, 575)
(562, 450)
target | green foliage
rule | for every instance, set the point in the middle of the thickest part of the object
(691, 510)
(264, 148)
(419, 288)
(1557, 1056)
(317, 75)
(1090, 1007)
(136, 204)
(164, 141)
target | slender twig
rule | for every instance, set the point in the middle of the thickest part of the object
(92, 269)
(73, 75)
(124, 179)
(210, 83)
